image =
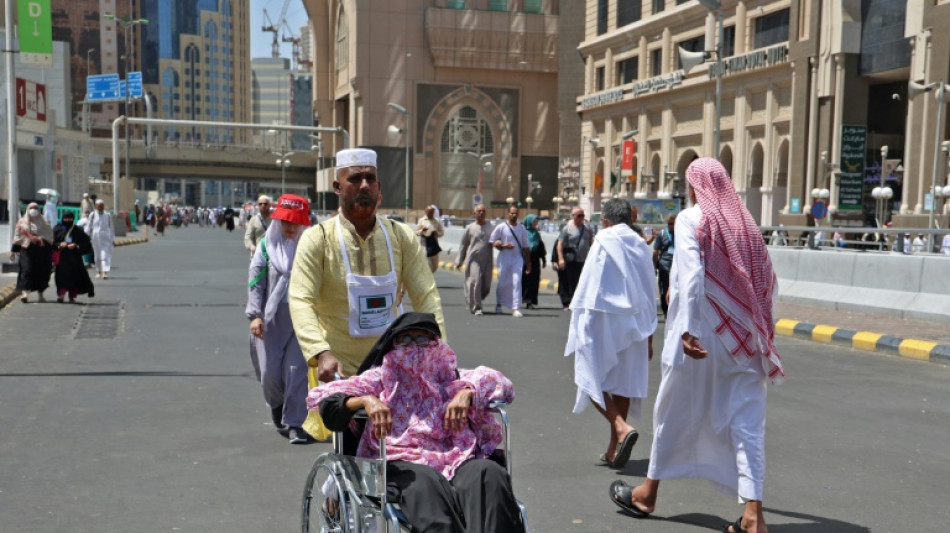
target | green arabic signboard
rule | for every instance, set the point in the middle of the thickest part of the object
(35, 29)
(853, 147)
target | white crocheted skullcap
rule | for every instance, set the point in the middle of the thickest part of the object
(355, 157)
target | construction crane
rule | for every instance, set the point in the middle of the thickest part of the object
(271, 27)
(294, 39)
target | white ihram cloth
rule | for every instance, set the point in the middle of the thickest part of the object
(102, 233)
(510, 263)
(709, 416)
(613, 313)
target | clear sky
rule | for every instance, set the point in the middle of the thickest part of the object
(261, 41)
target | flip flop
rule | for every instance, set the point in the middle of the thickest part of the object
(603, 459)
(736, 527)
(622, 455)
(620, 494)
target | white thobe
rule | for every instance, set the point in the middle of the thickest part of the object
(50, 214)
(510, 263)
(945, 245)
(709, 417)
(613, 313)
(102, 234)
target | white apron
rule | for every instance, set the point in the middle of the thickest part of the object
(372, 299)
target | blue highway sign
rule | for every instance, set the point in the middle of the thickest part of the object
(135, 84)
(102, 87)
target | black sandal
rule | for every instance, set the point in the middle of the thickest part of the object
(736, 527)
(621, 494)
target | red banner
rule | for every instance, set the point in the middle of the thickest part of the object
(626, 161)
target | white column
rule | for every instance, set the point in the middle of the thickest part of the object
(791, 150)
(812, 136)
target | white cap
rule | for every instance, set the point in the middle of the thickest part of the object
(355, 157)
(85, 195)
(99, 201)
(264, 198)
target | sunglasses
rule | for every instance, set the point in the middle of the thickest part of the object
(579, 216)
(418, 340)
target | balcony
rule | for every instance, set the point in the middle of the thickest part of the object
(497, 40)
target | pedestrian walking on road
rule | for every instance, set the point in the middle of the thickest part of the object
(347, 272)
(531, 278)
(429, 229)
(572, 246)
(257, 224)
(663, 260)
(275, 352)
(718, 354)
(160, 221)
(511, 241)
(613, 317)
(945, 245)
(102, 234)
(70, 243)
(33, 241)
(475, 253)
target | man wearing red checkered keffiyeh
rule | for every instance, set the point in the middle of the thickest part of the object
(718, 354)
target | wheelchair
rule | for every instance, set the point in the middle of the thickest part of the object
(347, 494)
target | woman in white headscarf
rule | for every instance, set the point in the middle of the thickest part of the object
(275, 353)
(33, 240)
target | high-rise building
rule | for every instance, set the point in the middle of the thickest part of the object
(473, 88)
(305, 49)
(96, 46)
(196, 65)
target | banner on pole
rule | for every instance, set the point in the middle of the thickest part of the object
(35, 30)
(626, 162)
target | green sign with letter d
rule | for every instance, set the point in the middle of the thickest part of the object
(35, 29)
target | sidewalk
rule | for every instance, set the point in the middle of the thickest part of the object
(8, 290)
(917, 339)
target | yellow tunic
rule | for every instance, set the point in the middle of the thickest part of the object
(318, 299)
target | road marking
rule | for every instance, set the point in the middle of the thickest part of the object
(916, 349)
(866, 340)
(823, 333)
(786, 327)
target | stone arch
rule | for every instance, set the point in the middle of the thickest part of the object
(655, 171)
(725, 157)
(781, 164)
(753, 185)
(501, 134)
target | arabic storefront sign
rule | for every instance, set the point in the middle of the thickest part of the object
(600, 99)
(660, 82)
(853, 148)
(758, 59)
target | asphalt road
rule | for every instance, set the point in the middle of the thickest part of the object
(159, 425)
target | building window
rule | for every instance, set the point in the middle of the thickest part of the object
(467, 131)
(695, 44)
(341, 40)
(498, 5)
(455, 4)
(599, 82)
(656, 62)
(771, 29)
(532, 6)
(628, 12)
(627, 70)
(729, 41)
(601, 17)
(659, 6)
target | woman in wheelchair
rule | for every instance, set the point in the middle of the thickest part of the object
(438, 431)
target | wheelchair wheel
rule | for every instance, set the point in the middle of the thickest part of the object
(325, 507)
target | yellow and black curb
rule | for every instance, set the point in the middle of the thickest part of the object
(546, 284)
(866, 340)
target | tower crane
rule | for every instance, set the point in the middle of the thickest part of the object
(273, 28)
(295, 40)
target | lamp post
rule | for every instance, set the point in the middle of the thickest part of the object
(283, 161)
(394, 131)
(88, 62)
(882, 193)
(691, 59)
(318, 147)
(532, 186)
(127, 25)
(510, 200)
(484, 160)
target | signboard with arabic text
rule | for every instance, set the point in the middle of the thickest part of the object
(853, 150)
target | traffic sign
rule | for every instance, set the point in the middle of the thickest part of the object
(122, 85)
(476, 199)
(135, 84)
(35, 30)
(819, 210)
(30, 100)
(102, 87)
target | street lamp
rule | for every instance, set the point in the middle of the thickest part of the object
(882, 193)
(691, 59)
(532, 186)
(127, 25)
(484, 161)
(510, 200)
(88, 62)
(283, 161)
(913, 89)
(395, 131)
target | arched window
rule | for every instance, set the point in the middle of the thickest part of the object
(342, 43)
(467, 131)
(169, 90)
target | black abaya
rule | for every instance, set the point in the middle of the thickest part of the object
(71, 274)
(36, 265)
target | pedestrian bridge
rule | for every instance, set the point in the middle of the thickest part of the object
(182, 159)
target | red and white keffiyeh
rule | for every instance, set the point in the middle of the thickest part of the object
(739, 276)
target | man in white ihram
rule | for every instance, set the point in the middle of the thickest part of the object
(613, 316)
(511, 241)
(102, 233)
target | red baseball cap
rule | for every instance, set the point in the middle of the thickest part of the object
(292, 208)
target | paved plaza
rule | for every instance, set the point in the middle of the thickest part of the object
(138, 411)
